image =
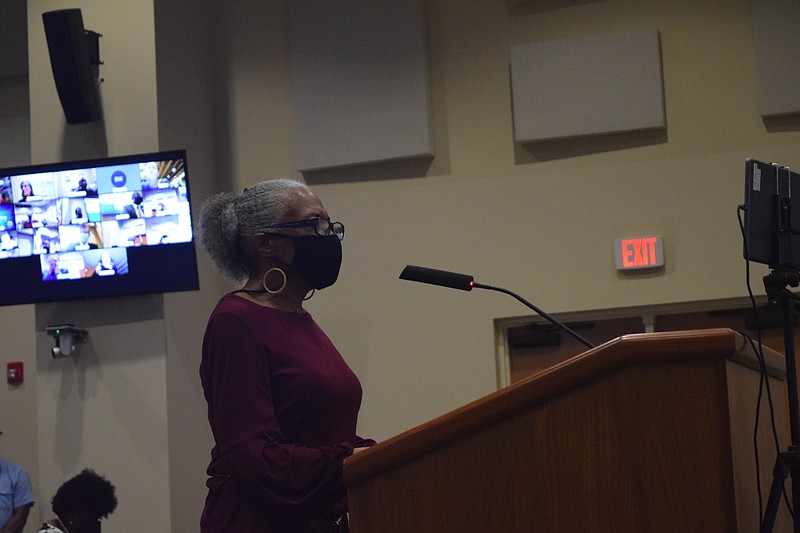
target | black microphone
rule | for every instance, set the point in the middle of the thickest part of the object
(437, 277)
(465, 282)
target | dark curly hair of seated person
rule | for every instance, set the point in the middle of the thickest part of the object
(87, 493)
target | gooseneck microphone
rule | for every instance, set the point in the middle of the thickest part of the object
(437, 277)
(465, 282)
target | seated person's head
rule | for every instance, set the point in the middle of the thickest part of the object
(149, 174)
(105, 260)
(25, 188)
(82, 501)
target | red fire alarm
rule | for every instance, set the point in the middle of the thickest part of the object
(14, 372)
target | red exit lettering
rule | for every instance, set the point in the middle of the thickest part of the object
(640, 252)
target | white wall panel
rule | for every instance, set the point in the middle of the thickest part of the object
(359, 82)
(776, 27)
(587, 85)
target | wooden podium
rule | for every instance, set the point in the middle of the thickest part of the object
(646, 433)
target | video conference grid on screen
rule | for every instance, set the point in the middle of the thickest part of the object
(81, 222)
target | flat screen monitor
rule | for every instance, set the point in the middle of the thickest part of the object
(96, 228)
(772, 215)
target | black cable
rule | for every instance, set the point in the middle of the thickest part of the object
(758, 349)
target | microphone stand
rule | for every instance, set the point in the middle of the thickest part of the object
(537, 310)
(464, 282)
(787, 463)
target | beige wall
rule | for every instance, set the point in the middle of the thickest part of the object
(17, 402)
(130, 405)
(110, 408)
(105, 409)
(184, 37)
(540, 223)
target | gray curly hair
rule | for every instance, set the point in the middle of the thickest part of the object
(226, 218)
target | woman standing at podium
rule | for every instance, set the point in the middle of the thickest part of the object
(282, 403)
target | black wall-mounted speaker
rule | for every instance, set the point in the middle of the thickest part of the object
(75, 60)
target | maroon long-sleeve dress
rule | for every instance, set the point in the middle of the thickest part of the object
(282, 404)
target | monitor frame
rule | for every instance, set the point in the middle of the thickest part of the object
(141, 267)
(772, 215)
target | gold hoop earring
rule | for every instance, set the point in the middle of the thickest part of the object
(264, 281)
(310, 295)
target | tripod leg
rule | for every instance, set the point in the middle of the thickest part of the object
(795, 474)
(778, 477)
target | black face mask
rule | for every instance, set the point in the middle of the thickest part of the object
(317, 259)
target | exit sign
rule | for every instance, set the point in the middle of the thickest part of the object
(635, 253)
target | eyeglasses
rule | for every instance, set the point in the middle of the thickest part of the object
(322, 226)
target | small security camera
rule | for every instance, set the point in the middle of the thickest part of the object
(66, 335)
